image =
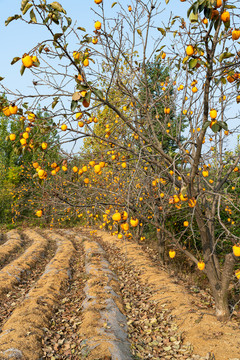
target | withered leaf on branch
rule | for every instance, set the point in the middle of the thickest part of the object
(76, 96)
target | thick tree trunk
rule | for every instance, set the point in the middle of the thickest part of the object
(219, 281)
(219, 293)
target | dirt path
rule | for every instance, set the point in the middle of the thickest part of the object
(200, 328)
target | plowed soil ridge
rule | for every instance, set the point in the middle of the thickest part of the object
(14, 246)
(13, 242)
(22, 333)
(12, 273)
(14, 297)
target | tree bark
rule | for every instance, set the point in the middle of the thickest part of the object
(219, 282)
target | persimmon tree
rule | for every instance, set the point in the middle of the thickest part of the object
(196, 177)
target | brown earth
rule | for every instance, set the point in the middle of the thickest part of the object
(200, 328)
(76, 309)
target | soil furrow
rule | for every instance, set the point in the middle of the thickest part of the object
(21, 336)
(62, 340)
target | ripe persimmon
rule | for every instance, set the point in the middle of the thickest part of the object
(213, 113)
(134, 222)
(189, 50)
(172, 254)
(116, 216)
(225, 16)
(39, 213)
(44, 145)
(12, 137)
(219, 3)
(13, 109)
(6, 111)
(85, 62)
(201, 265)
(98, 25)
(27, 60)
(235, 34)
(236, 250)
(64, 127)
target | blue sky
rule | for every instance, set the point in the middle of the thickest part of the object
(18, 37)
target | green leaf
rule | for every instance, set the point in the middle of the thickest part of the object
(69, 20)
(163, 46)
(190, 10)
(223, 125)
(22, 69)
(41, 47)
(223, 80)
(113, 4)
(74, 105)
(225, 55)
(227, 25)
(25, 105)
(82, 87)
(215, 127)
(11, 18)
(207, 12)
(33, 17)
(55, 101)
(56, 6)
(14, 60)
(207, 123)
(229, 6)
(193, 63)
(167, 1)
(27, 7)
(99, 93)
(202, 5)
(57, 36)
(88, 96)
(162, 31)
(139, 32)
